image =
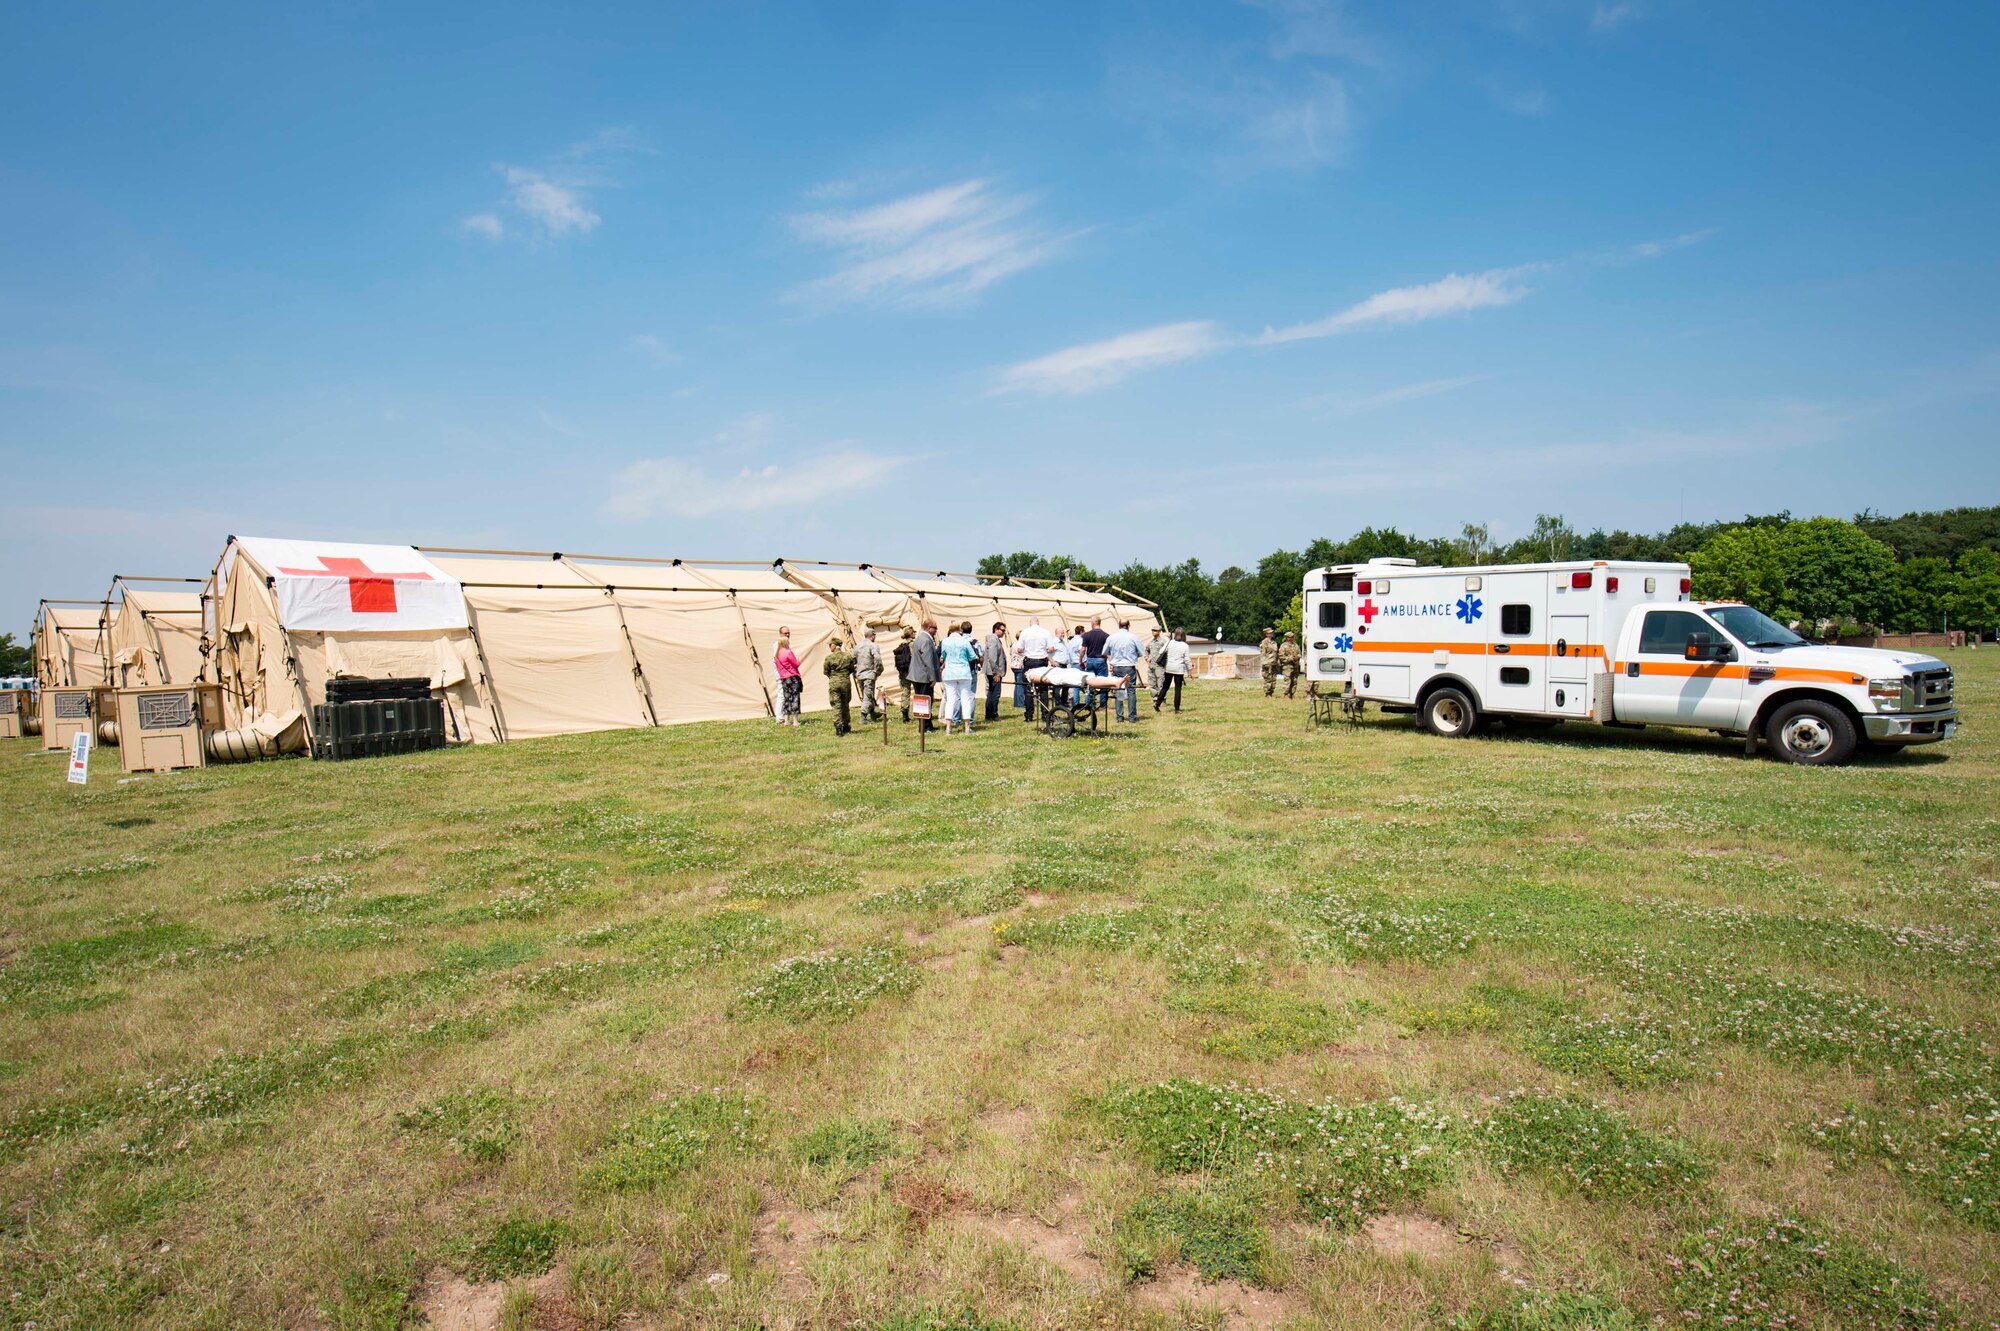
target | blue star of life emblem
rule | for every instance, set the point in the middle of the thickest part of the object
(1468, 608)
(1342, 642)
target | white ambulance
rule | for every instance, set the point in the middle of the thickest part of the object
(1617, 643)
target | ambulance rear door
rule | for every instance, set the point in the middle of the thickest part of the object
(1326, 624)
(1575, 610)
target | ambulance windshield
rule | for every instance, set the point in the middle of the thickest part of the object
(1754, 628)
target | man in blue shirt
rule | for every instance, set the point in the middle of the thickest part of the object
(1122, 651)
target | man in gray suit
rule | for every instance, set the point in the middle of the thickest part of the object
(925, 664)
(993, 664)
(868, 669)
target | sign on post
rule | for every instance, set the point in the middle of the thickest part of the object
(79, 757)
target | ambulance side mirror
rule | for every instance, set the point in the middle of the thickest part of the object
(1702, 647)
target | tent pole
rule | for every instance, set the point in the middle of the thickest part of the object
(639, 680)
(485, 674)
(749, 644)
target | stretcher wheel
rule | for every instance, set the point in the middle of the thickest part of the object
(1083, 718)
(1062, 723)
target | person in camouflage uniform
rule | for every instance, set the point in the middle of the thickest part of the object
(839, 668)
(1288, 663)
(1267, 657)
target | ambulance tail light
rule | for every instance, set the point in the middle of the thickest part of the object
(1362, 587)
(1611, 585)
(1687, 585)
(1579, 579)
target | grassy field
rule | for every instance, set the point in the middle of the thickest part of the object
(1213, 1022)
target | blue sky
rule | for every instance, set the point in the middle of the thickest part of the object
(730, 281)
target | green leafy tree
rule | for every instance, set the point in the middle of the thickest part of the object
(1026, 564)
(1924, 588)
(15, 658)
(1743, 564)
(1975, 601)
(1293, 620)
(1837, 573)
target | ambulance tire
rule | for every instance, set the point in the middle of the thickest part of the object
(1812, 733)
(1450, 713)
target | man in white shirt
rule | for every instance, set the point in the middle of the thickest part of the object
(1035, 647)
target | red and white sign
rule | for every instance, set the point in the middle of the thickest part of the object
(334, 586)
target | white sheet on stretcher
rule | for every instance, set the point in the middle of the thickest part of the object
(1069, 677)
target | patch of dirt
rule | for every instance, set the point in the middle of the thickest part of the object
(1060, 1245)
(784, 1236)
(1011, 1123)
(1242, 1307)
(1013, 952)
(1035, 898)
(1407, 1235)
(942, 961)
(449, 1302)
(924, 1196)
(915, 937)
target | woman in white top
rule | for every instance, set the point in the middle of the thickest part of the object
(1174, 676)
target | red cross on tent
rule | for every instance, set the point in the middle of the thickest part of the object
(368, 592)
(1368, 610)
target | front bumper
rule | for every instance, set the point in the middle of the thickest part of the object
(1911, 728)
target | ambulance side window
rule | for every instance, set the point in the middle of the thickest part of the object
(1668, 632)
(1333, 614)
(1516, 621)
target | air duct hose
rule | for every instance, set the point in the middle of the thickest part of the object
(237, 746)
(107, 732)
(31, 725)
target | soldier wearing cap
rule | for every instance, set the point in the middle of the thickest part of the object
(1267, 657)
(839, 669)
(1288, 662)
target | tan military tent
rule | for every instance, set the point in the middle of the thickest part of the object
(524, 645)
(152, 632)
(68, 644)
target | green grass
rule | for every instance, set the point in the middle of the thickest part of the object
(664, 1142)
(1647, 1032)
(1588, 1147)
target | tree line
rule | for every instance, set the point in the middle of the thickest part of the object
(1919, 571)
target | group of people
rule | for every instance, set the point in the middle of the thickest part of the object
(949, 667)
(1279, 658)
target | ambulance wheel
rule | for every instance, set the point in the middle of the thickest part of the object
(1812, 733)
(1449, 712)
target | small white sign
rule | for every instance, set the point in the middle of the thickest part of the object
(79, 758)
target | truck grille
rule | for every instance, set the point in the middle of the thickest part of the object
(1932, 688)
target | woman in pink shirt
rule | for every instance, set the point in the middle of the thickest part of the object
(789, 683)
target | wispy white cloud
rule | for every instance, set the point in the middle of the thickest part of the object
(1610, 17)
(560, 427)
(1099, 364)
(1455, 294)
(1390, 397)
(557, 208)
(1282, 99)
(1653, 249)
(654, 349)
(553, 198)
(682, 487)
(935, 247)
